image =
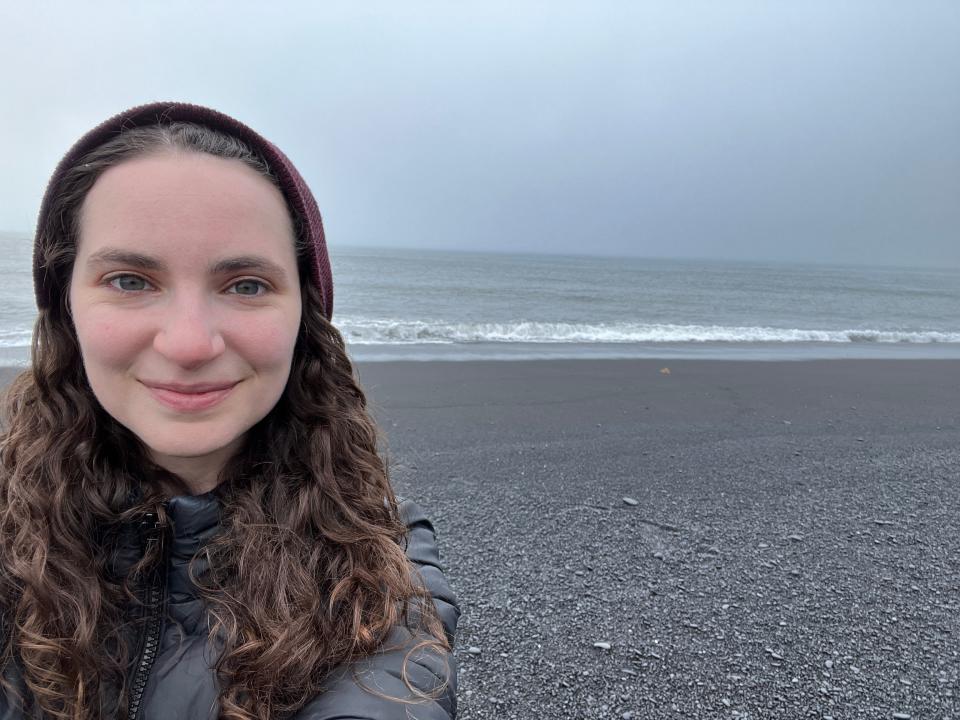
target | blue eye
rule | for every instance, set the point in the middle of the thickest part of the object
(248, 288)
(129, 283)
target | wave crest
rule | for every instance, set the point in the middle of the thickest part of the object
(361, 331)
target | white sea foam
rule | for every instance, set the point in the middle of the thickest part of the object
(15, 337)
(362, 331)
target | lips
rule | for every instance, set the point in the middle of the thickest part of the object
(190, 397)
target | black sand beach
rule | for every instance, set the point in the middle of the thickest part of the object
(793, 550)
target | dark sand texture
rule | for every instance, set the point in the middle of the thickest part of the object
(794, 551)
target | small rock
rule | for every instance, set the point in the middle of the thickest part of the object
(828, 664)
(630, 501)
(795, 537)
(473, 650)
(658, 555)
(627, 716)
(602, 645)
(901, 716)
(725, 701)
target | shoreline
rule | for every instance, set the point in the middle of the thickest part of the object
(731, 351)
(18, 357)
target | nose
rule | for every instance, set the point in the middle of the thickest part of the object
(189, 335)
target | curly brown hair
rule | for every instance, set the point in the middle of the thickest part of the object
(308, 571)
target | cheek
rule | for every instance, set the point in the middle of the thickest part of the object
(108, 338)
(267, 342)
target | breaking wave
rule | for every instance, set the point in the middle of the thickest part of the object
(360, 331)
(15, 337)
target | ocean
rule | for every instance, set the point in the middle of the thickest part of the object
(397, 304)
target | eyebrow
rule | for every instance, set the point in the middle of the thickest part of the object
(112, 256)
(240, 263)
(243, 263)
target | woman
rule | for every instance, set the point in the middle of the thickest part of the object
(195, 522)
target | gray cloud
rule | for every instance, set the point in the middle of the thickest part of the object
(805, 131)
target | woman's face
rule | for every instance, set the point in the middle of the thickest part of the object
(186, 301)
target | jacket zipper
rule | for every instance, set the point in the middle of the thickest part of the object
(154, 599)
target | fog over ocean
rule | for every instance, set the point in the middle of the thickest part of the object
(395, 304)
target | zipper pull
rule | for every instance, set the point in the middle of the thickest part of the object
(151, 530)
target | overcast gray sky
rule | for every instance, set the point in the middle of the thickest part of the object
(812, 131)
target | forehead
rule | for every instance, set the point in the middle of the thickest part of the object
(188, 204)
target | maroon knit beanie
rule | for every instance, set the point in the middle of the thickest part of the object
(293, 187)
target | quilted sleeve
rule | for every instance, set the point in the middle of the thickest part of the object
(423, 553)
(426, 669)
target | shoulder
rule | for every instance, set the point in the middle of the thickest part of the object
(406, 678)
(376, 687)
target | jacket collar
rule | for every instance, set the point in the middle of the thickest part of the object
(195, 519)
(193, 522)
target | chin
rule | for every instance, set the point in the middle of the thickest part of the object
(192, 445)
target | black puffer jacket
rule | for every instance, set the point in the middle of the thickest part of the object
(173, 679)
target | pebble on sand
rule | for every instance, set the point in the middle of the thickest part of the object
(602, 645)
(630, 501)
